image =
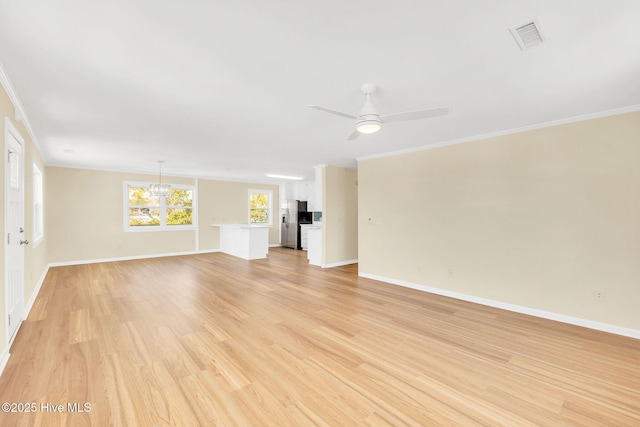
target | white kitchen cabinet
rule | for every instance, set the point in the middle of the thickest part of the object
(314, 252)
(311, 196)
(304, 236)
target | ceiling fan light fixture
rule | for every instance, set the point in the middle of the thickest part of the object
(369, 120)
(368, 126)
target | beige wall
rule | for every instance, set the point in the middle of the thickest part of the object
(84, 215)
(340, 216)
(85, 218)
(226, 202)
(541, 219)
(34, 255)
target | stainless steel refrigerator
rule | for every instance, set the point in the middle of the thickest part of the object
(294, 214)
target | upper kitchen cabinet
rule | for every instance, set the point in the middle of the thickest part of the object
(311, 196)
(304, 191)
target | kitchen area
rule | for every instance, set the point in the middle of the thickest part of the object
(321, 216)
(301, 218)
(326, 228)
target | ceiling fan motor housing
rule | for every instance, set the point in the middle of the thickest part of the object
(368, 117)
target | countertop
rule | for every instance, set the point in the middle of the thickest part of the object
(311, 226)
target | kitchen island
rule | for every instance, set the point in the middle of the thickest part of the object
(244, 240)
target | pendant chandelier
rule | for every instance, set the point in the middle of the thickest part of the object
(160, 189)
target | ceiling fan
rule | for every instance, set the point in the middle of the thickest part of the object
(369, 121)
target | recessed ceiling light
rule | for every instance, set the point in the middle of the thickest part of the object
(297, 178)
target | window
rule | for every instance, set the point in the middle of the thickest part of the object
(38, 205)
(260, 207)
(144, 212)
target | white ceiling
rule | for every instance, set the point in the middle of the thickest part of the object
(220, 89)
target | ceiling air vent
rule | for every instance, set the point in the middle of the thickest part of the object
(529, 34)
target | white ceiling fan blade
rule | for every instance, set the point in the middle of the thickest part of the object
(354, 135)
(413, 115)
(337, 113)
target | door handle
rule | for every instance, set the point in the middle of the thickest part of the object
(24, 242)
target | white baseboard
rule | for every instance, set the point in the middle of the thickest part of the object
(129, 258)
(36, 291)
(599, 326)
(340, 263)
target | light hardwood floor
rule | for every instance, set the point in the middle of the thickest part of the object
(215, 340)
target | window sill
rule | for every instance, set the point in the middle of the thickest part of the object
(144, 229)
(37, 240)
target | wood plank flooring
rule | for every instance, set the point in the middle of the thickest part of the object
(215, 340)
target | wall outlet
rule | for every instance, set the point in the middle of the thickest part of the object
(599, 296)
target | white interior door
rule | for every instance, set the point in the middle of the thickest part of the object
(14, 227)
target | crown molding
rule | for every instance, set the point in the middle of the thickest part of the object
(19, 114)
(591, 116)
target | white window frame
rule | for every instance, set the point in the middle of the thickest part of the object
(269, 194)
(163, 209)
(38, 204)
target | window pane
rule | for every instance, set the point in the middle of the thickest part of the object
(259, 216)
(180, 198)
(144, 212)
(179, 216)
(37, 220)
(144, 216)
(38, 212)
(259, 201)
(139, 196)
